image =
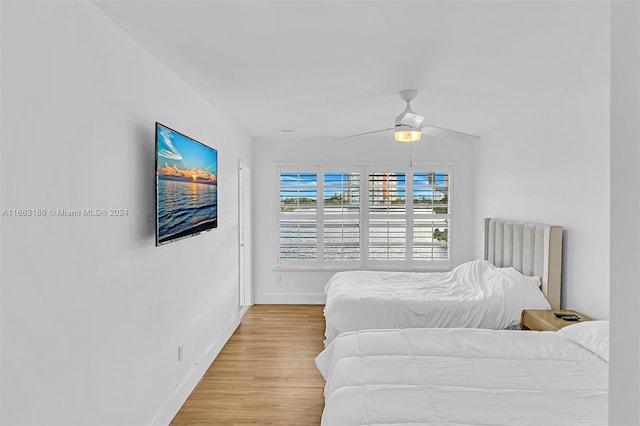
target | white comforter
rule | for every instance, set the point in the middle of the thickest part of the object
(475, 294)
(462, 376)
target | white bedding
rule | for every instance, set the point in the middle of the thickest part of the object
(476, 294)
(462, 376)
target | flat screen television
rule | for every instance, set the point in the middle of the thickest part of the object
(186, 186)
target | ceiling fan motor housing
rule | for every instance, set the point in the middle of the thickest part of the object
(408, 117)
(408, 95)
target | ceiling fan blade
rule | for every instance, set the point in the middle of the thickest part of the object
(366, 133)
(441, 131)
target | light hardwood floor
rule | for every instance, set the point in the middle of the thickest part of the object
(265, 374)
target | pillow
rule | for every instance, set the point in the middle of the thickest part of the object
(526, 292)
(592, 335)
(519, 277)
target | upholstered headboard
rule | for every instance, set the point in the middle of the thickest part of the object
(534, 249)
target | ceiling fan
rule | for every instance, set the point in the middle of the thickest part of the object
(409, 126)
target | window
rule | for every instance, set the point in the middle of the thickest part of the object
(341, 211)
(298, 216)
(431, 220)
(387, 236)
(364, 216)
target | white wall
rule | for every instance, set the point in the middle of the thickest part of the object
(92, 312)
(624, 369)
(286, 286)
(548, 161)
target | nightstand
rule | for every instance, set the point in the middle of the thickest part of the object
(545, 320)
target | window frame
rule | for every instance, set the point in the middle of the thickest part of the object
(364, 216)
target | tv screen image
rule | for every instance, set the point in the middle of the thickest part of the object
(186, 186)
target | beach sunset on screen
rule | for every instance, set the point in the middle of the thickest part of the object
(173, 172)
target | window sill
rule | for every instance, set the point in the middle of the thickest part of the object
(391, 268)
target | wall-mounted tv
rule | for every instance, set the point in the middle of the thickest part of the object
(186, 186)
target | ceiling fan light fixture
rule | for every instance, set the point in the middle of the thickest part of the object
(408, 125)
(407, 134)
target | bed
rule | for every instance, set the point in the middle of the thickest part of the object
(520, 270)
(467, 376)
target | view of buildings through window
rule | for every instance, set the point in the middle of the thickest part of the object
(404, 216)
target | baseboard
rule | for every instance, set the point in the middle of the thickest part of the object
(184, 389)
(291, 299)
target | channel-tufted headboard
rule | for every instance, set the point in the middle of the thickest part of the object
(534, 249)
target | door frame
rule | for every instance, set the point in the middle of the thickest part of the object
(245, 264)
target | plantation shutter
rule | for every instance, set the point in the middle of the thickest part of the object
(341, 230)
(298, 221)
(364, 216)
(387, 216)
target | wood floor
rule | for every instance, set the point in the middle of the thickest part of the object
(265, 374)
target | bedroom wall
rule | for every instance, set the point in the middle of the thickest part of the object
(546, 159)
(272, 285)
(624, 367)
(92, 312)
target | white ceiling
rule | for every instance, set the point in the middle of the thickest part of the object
(334, 68)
